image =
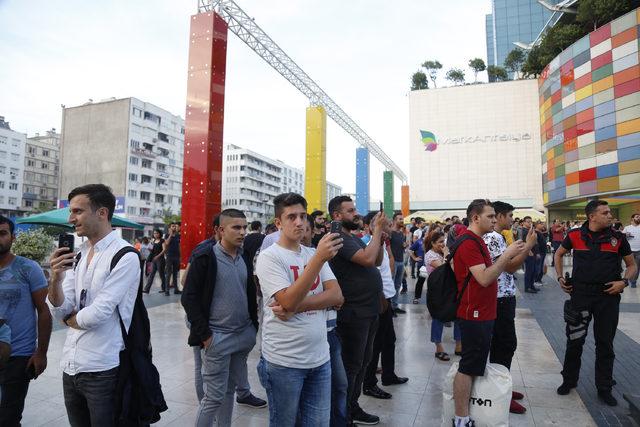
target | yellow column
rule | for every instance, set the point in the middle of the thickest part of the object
(315, 179)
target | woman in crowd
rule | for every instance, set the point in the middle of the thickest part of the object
(157, 258)
(435, 246)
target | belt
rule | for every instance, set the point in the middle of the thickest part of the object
(589, 287)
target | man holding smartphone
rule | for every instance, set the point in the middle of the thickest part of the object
(92, 299)
(23, 289)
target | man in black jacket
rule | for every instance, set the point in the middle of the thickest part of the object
(220, 302)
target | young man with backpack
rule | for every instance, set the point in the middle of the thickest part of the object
(93, 298)
(476, 277)
(220, 302)
(504, 341)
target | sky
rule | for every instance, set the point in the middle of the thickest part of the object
(362, 54)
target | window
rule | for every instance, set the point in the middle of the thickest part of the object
(137, 112)
(133, 160)
(1, 184)
(45, 153)
(133, 177)
(15, 142)
(161, 167)
(144, 211)
(163, 137)
(1, 199)
(134, 144)
(133, 193)
(145, 195)
(13, 201)
(152, 117)
(31, 163)
(145, 179)
(131, 210)
(43, 192)
(28, 203)
(44, 165)
(14, 172)
(146, 163)
(32, 150)
(159, 198)
(13, 186)
(3, 140)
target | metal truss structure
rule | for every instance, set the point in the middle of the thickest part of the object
(249, 32)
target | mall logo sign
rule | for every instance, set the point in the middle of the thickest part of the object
(431, 143)
(429, 140)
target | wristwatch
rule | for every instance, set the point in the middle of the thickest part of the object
(626, 282)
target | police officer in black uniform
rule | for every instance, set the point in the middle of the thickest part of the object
(595, 289)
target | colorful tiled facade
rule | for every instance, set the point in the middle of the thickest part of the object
(590, 114)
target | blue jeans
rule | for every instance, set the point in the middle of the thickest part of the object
(436, 331)
(397, 282)
(540, 268)
(292, 390)
(339, 382)
(90, 398)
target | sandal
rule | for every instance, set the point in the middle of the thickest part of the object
(443, 356)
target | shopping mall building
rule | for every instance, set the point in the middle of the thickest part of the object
(590, 122)
(554, 143)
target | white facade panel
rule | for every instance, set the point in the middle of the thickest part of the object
(488, 143)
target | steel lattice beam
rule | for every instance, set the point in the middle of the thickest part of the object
(246, 29)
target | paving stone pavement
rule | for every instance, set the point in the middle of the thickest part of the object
(535, 372)
(547, 308)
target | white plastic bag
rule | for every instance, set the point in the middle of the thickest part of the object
(423, 272)
(490, 397)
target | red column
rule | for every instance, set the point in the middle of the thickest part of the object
(202, 176)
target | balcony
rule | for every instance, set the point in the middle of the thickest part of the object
(29, 196)
(143, 153)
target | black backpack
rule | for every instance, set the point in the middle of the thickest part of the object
(442, 287)
(139, 394)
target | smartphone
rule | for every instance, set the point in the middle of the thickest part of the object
(66, 241)
(336, 227)
(381, 207)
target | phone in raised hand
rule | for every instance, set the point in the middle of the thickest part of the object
(336, 227)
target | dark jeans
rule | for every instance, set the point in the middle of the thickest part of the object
(419, 285)
(504, 341)
(604, 309)
(173, 268)
(158, 266)
(339, 382)
(357, 335)
(90, 398)
(540, 268)
(384, 344)
(412, 263)
(15, 384)
(529, 272)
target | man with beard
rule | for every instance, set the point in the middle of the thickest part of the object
(23, 289)
(355, 269)
(319, 229)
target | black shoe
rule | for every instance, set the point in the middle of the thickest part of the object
(395, 381)
(531, 291)
(252, 401)
(161, 291)
(145, 291)
(399, 310)
(177, 292)
(166, 293)
(362, 417)
(607, 398)
(376, 392)
(565, 388)
(403, 290)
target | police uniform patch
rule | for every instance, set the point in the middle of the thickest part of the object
(614, 242)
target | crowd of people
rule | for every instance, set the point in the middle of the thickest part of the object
(322, 289)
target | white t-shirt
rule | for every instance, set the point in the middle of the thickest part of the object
(388, 287)
(300, 342)
(633, 236)
(497, 244)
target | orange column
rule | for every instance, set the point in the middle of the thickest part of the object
(404, 200)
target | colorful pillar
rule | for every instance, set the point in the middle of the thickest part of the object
(387, 180)
(362, 180)
(405, 200)
(315, 179)
(202, 175)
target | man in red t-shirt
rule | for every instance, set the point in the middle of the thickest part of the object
(557, 236)
(477, 309)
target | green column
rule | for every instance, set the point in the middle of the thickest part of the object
(388, 193)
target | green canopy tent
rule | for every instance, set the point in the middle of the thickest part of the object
(60, 217)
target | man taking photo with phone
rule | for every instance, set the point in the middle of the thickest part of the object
(23, 289)
(92, 299)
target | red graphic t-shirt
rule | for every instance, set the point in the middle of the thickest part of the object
(478, 302)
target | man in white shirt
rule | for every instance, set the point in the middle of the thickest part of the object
(633, 236)
(90, 299)
(384, 343)
(295, 367)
